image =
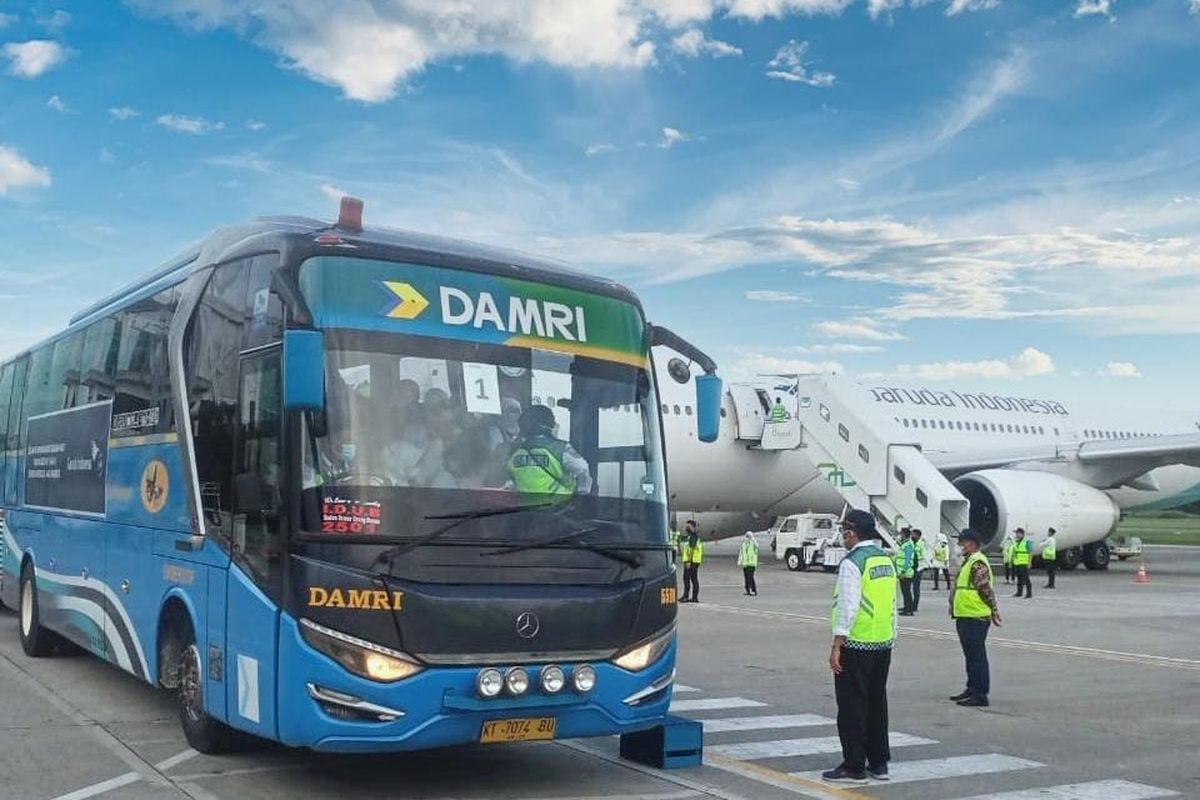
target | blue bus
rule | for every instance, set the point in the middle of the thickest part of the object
(352, 490)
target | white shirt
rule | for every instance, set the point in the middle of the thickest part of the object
(849, 591)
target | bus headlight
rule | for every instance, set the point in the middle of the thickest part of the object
(363, 658)
(517, 681)
(553, 679)
(584, 678)
(643, 654)
(489, 682)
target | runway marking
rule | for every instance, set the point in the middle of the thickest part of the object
(815, 745)
(765, 722)
(715, 704)
(102, 787)
(679, 687)
(1094, 790)
(1169, 662)
(678, 780)
(797, 784)
(952, 767)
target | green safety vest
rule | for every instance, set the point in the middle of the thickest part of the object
(875, 624)
(908, 559)
(692, 555)
(1007, 551)
(675, 538)
(967, 602)
(778, 413)
(749, 554)
(536, 467)
(1022, 555)
(941, 554)
(1049, 551)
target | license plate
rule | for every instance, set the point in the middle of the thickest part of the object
(518, 730)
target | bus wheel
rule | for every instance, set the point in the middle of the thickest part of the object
(36, 641)
(203, 733)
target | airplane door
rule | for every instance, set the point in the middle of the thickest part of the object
(751, 416)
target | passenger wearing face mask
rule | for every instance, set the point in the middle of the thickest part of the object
(541, 463)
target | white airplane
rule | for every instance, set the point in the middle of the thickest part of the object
(1020, 461)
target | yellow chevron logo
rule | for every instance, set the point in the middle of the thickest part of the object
(411, 304)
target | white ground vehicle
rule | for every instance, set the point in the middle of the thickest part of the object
(1123, 547)
(808, 540)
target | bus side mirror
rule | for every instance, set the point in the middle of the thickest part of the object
(708, 407)
(304, 370)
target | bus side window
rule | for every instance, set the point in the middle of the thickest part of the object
(16, 431)
(6, 393)
(260, 466)
(64, 370)
(142, 393)
(211, 351)
(264, 309)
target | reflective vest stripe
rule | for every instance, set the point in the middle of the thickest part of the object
(875, 624)
(1022, 553)
(967, 602)
(1049, 551)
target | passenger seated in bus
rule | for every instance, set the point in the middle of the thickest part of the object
(541, 463)
(417, 456)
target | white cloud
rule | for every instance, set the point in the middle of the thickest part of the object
(789, 65)
(333, 192)
(33, 58)
(55, 102)
(842, 348)
(247, 161)
(1089, 8)
(955, 7)
(7, 19)
(16, 171)
(56, 21)
(1004, 77)
(772, 296)
(1194, 5)
(1120, 369)
(107, 156)
(597, 149)
(123, 113)
(694, 43)
(255, 125)
(876, 8)
(858, 328)
(751, 364)
(671, 137)
(848, 184)
(195, 126)
(1029, 363)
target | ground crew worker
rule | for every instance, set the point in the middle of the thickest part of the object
(1006, 550)
(906, 562)
(920, 558)
(1022, 557)
(941, 562)
(676, 539)
(973, 607)
(692, 554)
(543, 464)
(864, 630)
(748, 561)
(779, 412)
(1050, 558)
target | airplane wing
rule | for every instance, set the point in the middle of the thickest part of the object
(1104, 464)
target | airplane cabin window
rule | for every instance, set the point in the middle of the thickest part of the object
(922, 498)
(722, 413)
(687, 410)
(675, 410)
(906, 423)
(864, 454)
(664, 408)
(843, 432)
(899, 473)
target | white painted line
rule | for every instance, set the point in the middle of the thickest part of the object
(715, 704)
(679, 687)
(102, 787)
(784, 748)
(765, 722)
(176, 760)
(953, 767)
(1094, 790)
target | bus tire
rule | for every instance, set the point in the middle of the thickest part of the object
(794, 560)
(36, 641)
(203, 732)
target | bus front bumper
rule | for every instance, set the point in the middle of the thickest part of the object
(324, 707)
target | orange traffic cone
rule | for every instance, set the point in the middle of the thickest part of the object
(1140, 576)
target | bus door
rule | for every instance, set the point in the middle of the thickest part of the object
(257, 546)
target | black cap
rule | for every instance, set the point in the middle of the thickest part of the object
(967, 533)
(1018, 530)
(861, 522)
(1051, 530)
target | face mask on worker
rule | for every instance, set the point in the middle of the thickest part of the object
(349, 451)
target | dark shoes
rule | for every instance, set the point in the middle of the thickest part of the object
(840, 774)
(963, 695)
(879, 773)
(974, 702)
(906, 613)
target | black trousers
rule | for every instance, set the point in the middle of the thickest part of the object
(1051, 569)
(916, 590)
(1023, 581)
(862, 718)
(906, 589)
(972, 635)
(751, 586)
(1008, 572)
(943, 572)
(691, 582)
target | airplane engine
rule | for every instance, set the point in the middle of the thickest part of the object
(1003, 499)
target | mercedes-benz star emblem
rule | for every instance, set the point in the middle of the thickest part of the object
(528, 625)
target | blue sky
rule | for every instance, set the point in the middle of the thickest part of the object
(998, 193)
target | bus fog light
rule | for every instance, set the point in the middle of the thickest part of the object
(584, 678)
(489, 682)
(553, 679)
(517, 681)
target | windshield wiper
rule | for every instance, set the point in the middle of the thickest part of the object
(615, 552)
(456, 519)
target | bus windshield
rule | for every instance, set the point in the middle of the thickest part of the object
(416, 429)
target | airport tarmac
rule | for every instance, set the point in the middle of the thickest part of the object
(1095, 694)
